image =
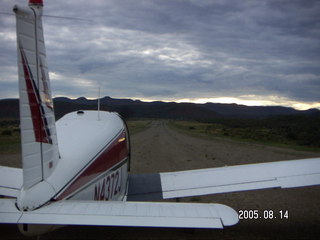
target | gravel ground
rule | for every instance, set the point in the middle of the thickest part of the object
(160, 149)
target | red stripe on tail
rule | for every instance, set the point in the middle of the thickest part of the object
(41, 131)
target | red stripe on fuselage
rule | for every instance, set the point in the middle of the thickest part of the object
(111, 156)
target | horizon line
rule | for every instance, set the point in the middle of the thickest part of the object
(299, 106)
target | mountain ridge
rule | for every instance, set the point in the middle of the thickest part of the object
(128, 108)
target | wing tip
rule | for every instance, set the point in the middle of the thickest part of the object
(228, 215)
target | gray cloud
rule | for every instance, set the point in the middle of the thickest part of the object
(177, 49)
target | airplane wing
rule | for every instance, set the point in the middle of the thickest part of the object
(284, 174)
(137, 214)
(10, 181)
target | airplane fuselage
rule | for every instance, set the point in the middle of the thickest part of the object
(94, 160)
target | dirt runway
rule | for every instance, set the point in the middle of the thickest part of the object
(160, 148)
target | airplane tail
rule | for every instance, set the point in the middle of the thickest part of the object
(38, 132)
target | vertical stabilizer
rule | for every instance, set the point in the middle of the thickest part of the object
(38, 132)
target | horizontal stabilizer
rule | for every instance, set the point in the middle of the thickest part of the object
(10, 181)
(136, 214)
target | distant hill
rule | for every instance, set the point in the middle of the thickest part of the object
(128, 108)
(242, 111)
(137, 109)
(9, 108)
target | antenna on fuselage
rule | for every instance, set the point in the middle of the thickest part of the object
(98, 103)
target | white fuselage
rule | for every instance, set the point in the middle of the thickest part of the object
(94, 159)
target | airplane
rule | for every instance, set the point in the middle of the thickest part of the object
(76, 171)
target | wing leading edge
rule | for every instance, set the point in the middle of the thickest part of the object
(284, 174)
(137, 214)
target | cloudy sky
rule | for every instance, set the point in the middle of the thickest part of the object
(254, 52)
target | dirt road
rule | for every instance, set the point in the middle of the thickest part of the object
(160, 148)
